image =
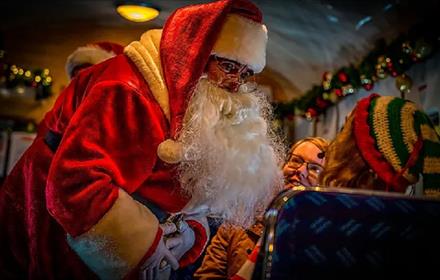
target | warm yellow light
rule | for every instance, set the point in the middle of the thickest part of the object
(14, 69)
(137, 13)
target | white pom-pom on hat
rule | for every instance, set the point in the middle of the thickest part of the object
(170, 151)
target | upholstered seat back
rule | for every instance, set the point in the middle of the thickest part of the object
(344, 234)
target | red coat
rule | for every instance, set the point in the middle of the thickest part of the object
(111, 126)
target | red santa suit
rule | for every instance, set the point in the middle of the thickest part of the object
(84, 57)
(66, 210)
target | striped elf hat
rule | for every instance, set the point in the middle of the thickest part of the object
(398, 141)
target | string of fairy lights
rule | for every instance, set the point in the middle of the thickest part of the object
(385, 60)
(16, 79)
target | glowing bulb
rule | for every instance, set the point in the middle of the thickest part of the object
(137, 13)
(20, 90)
(270, 248)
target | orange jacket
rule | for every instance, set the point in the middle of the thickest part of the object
(228, 251)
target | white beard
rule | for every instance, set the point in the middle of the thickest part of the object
(231, 157)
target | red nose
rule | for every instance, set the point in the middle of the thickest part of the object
(231, 84)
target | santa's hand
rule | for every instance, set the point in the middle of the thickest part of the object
(198, 229)
(161, 260)
(198, 221)
(168, 228)
(180, 242)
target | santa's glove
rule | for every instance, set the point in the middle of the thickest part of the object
(181, 241)
(160, 263)
(198, 224)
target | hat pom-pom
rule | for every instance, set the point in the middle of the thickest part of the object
(170, 151)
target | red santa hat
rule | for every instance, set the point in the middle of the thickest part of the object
(231, 29)
(91, 54)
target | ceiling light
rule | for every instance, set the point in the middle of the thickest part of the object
(137, 11)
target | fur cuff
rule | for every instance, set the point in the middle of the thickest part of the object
(120, 240)
(145, 55)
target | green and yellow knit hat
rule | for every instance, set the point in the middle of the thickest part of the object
(398, 141)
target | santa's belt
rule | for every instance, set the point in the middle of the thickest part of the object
(53, 140)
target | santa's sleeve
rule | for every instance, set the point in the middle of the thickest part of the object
(105, 154)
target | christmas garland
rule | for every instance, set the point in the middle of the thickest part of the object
(385, 60)
(14, 77)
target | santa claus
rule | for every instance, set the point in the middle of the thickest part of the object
(171, 126)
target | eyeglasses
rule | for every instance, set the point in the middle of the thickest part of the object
(231, 67)
(313, 169)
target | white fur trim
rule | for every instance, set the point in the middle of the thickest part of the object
(87, 54)
(145, 55)
(170, 151)
(243, 40)
(117, 243)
